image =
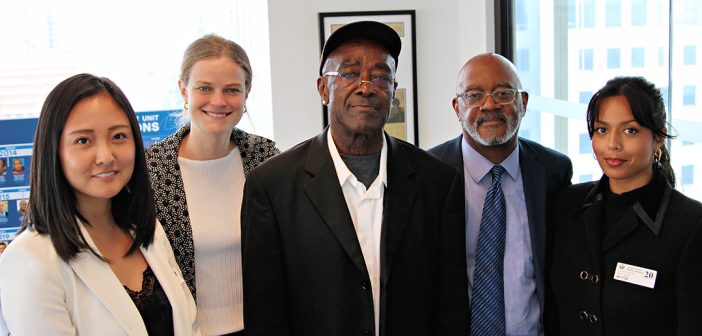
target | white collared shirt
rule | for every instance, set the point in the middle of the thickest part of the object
(366, 209)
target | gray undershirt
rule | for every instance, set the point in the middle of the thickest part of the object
(365, 167)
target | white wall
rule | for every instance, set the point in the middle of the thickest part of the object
(448, 33)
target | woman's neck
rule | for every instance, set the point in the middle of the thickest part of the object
(620, 186)
(201, 146)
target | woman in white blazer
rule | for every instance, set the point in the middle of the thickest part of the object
(91, 258)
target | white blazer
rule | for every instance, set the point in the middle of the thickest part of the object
(40, 294)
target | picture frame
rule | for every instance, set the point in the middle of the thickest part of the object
(402, 121)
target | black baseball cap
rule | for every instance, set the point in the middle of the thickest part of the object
(363, 30)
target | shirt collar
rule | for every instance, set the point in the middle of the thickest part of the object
(478, 166)
(343, 172)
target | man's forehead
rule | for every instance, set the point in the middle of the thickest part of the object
(360, 46)
(354, 52)
(489, 74)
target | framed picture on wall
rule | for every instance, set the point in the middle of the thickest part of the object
(402, 121)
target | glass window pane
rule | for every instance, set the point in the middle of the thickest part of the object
(585, 144)
(638, 12)
(687, 176)
(613, 13)
(586, 59)
(523, 58)
(614, 58)
(689, 55)
(637, 57)
(586, 13)
(688, 95)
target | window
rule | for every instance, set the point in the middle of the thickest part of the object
(613, 13)
(141, 52)
(637, 57)
(687, 176)
(520, 16)
(587, 13)
(689, 95)
(584, 97)
(523, 58)
(666, 97)
(571, 14)
(586, 59)
(614, 58)
(585, 178)
(661, 56)
(690, 55)
(585, 144)
(638, 13)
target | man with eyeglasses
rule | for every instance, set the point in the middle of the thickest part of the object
(509, 185)
(354, 232)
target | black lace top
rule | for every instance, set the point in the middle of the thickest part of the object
(153, 305)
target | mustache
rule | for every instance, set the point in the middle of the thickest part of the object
(491, 116)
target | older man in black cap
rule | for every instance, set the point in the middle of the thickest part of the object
(354, 232)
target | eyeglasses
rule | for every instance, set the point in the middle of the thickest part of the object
(383, 82)
(499, 96)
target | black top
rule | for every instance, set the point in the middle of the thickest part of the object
(616, 205)
(153, 305)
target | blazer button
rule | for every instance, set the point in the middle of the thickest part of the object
(592, 318)
(595, 279)
(584, 275)
(583, 315)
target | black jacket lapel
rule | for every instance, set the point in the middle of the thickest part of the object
(325, 193)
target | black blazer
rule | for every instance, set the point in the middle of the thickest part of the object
(589, 301)
(544, 173)
(304, 272)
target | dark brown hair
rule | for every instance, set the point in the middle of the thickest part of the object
(648, 108)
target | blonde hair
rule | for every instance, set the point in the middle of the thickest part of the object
(214, 46)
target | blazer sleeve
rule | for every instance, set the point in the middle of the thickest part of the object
(688, 290)
(452, 315)
(32, 296)
(265, 293)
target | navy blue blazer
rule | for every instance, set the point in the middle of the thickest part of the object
(544, 172)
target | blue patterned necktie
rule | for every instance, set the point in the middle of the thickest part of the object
(488, 302)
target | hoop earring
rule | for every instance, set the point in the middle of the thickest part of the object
(244, 108)
(185, 106)
(657, 155)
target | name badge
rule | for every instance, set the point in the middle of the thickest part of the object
(635, 275)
